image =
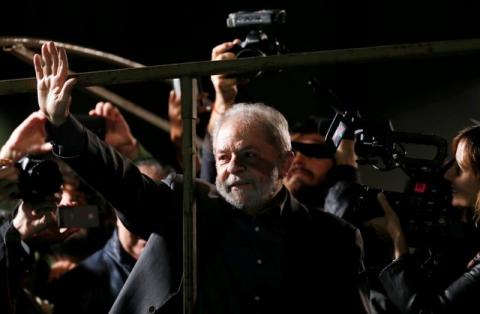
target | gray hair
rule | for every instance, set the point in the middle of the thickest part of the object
(258, 114)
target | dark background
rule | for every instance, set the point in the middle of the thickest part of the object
(436, 95)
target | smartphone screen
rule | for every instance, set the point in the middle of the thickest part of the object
(336, 132)
(78, 216)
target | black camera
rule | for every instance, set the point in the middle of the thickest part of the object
(38, 179)
(424, 208)
(262, 33)
(378, 145)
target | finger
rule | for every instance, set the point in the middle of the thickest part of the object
(68, 204)
(108, 110)
(54, 57)
(225, 56)
(173, 99)
(40, 116)
(63, 62)
(98, 108)
(46, 148)
(382, 199)
(223, 48)
(66, 232)
(37, 62)
(47, 69)
(67, 88)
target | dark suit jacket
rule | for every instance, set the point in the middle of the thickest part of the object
(322, 261)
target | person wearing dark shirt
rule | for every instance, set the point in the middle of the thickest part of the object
(259, 249)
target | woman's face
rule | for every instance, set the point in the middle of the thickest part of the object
(465, 184)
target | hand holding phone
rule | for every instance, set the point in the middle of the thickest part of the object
(86, 216)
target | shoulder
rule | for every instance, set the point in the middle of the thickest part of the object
(327, 225)
(320, 218)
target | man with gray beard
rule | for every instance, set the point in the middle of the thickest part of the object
(259, 249)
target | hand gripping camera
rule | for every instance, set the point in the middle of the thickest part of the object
(424, 207)
(259, 24)
(261, 34)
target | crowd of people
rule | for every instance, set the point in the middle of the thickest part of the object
(275, 230)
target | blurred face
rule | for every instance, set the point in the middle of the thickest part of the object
(465, 184)
(307, 172)
(249, 168)
(130, 242)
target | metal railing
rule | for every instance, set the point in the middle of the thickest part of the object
(193, 69)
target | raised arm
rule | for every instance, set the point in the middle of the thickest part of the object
(136, 197)
(53, 86)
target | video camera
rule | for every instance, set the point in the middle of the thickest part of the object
(262, 33)
(424, 208)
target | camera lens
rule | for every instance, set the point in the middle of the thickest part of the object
(38, 178)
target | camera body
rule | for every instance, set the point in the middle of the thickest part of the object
(424, 208)
(38, 178)
(378, 145)
(261, 38)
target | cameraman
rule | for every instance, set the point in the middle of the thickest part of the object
(404, 281)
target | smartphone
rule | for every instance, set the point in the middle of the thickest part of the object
(78, 216)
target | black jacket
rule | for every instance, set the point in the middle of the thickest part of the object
(321, 268)
(408, 289)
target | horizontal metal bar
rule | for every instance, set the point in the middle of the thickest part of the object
(75, 49)
(244, 65)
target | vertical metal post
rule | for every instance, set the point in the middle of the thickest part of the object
(189, 116)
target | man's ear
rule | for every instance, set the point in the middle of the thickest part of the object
(286, 162)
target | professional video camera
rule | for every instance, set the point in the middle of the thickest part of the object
(38, 179)
(424, 208)
(262, 33)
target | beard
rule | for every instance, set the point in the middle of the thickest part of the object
(252, 196)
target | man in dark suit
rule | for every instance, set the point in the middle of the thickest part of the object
(259, 249)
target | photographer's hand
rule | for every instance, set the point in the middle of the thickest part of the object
(389, 226)
(37, 221)
(117, 131)
(225, 86)
(53, 87)
(27, 138)
(345, 154)
(175, 118)
(175, 114)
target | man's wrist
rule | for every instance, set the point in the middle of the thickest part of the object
(130, 150)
